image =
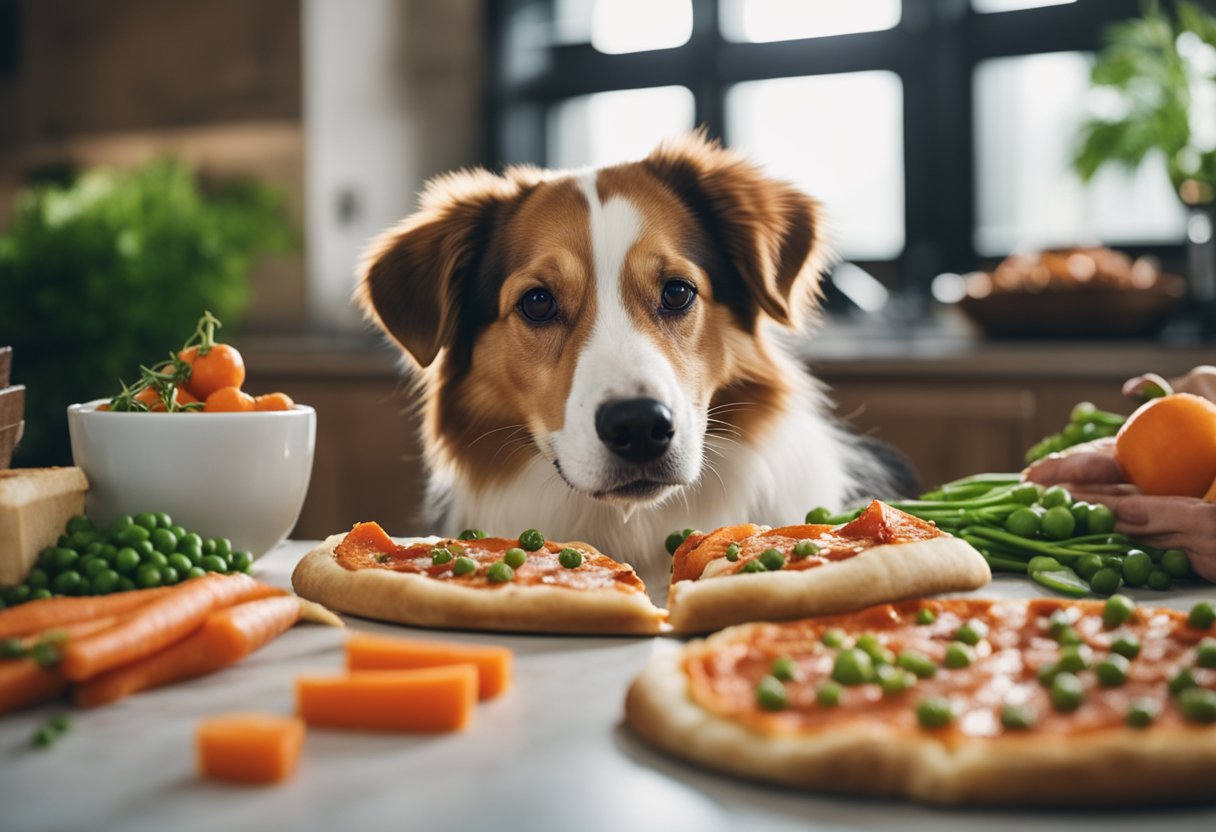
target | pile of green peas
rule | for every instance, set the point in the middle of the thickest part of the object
(1085, 423)
(136, 552)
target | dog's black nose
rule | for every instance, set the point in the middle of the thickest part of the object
(638, 430)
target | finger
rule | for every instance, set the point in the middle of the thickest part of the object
(1150, 515)
(1088, 490)
(1148, 385)
(1076, 468)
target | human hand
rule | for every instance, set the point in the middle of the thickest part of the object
(1200, 381)
(1090, 462)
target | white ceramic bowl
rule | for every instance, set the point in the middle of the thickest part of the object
(237, 475)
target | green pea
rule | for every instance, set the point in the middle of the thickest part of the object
(1101, 519)
(1142, 711)
(37, 579)
(934, 712)
(132, 535)
(125, 584)
(148, 576)
(109, 551)
(472, 534)
(1106, 581)
(925, 616)
(1058, 523)
(158, 559)
(1205, 653)
(105, 582)
(829, 695)
(570, 558)
(515, 557)
(67, 583)
(1043, 563)
(959, 655)
(1126, 645)
(1018, 717)
(1027, 493)
(65, 558)
(145, 520)
(785, 669)
(144, 548)
(818, 516)
(673, 542)
(1183, 679)
(1137, 566)
(1024, 522)
(180, 562)
(46, 559)
(169, 575)
(499, 573)
(44, 737)
(45, 654)
(463, 566)
(805, 548)
(1175, 563)
(894, 680)
(440, 556)
(1080, 513)
(1112, 671)
(1198, 705)
(213, 563)
(12, 648)
(1118, 609)
(39, 595)
(833, 638)
(869, 643)
(163, 521)
(1069, 636)
(770, 694)
(79, 523)
(1160, 580)
(15, 595)
(1067, 692)
(754, 566)
(208, 547)
(918, 663)
(772, 559)
(80, 541)
(1202, 616)
(119, 524)
(732, 552)
(223, 547)
(126, 561)
(972, 632)
(195, 572)
(852, 667)
(1113, 562)
(1054, 497)
(531, 540)
(189, 539)
(90, 567)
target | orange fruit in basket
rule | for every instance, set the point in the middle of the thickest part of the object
(1168, 446)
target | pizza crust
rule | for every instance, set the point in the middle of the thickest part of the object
(424, 602)
(1156, 766)
(879, 575)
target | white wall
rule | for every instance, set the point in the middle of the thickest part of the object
(392, 96)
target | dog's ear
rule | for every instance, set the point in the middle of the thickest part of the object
(772, 233)
(411, 277)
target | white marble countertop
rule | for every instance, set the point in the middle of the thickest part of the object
(551, 754)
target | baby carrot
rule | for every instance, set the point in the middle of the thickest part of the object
(23, 683)
(226, 637)
(37, 616)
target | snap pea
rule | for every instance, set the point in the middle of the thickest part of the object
(1063, 580)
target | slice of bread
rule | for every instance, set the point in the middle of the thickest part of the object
(35, 504)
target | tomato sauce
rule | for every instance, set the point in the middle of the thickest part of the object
(724, 672)
(362, 549)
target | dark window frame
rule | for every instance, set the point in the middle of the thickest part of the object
(934, 50)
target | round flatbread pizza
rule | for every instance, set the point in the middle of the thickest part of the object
(744, 573)
(523, 585)
(955, 701)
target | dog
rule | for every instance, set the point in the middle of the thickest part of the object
(604, 354)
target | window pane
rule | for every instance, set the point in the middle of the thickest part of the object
(760, 21)
(1027, 111)
(619, 26)
(984, 6)
(610, 127)
(840, 139)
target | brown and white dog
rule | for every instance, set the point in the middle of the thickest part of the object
(598, 352)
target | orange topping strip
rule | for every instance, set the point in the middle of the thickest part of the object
(724, 672)
(878, 525)
(366, 546)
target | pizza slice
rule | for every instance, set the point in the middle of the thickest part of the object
(955, 701)
(482, 583)
(747, 573)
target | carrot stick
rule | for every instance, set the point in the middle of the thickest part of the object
(426, 699)
(78, 629)
(159, 624)
(369, 652)
(24, 683)
(249, 748)
(37, 616)
(226, 637)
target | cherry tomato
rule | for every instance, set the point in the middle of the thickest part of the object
(222, 366)
(273, 401)
(229, 400)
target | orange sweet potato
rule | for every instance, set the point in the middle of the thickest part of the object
(431, 699)
(368, 652)
(249, 748)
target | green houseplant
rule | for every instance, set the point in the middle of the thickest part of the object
(108, 272)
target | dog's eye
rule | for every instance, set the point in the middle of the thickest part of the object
(678, 295)
(538, 306)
